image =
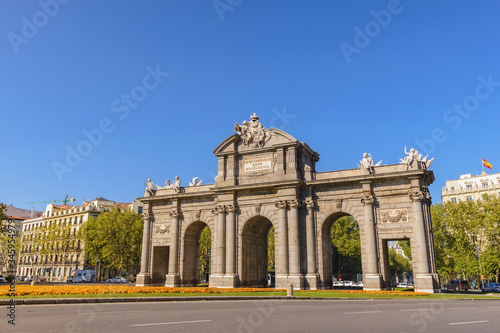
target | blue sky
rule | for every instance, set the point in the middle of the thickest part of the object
(159, 84)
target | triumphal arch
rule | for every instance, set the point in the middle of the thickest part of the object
(268, 179)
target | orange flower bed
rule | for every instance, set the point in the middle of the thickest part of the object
(385, 292)
(25, 290)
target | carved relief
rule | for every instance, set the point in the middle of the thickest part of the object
(310, 204)
(257, 209)
(198, 214)
(338, 204)
(394, 215)
(175, 214)
(162, 229)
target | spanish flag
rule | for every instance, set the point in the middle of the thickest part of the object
(486, 163)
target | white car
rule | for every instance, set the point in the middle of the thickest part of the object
(338, 284)
(348, 283)
(402, 285)
(116, 280)
(359, 284)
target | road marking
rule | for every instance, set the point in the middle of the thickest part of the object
(99, 312)
(363, 312)
(172, 323)
(472, 307)
(412, 310)
(470, 322)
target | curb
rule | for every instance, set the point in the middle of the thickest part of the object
(41, 301)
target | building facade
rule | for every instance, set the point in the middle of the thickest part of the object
(268, 179)
(58, 262)
(470, 187)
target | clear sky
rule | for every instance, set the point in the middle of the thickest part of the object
(157, 85)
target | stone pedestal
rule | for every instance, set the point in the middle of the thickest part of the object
(172, 280)
(281, 281)
(297, 281)
(143, 279)
(427, 283)
(372, 282)
(311, 282)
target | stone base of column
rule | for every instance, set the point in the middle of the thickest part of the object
(311, 282)
(281, 281)
(142, 280)
(427, 283)
(372, 282)
(173, 280)
(216, 281)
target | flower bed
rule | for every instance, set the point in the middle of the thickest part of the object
(23, 290)
(385, 292)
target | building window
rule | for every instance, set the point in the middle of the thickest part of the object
(139, 209)
(454, 200)
(469, 187)
(469, 198)
(485, 185)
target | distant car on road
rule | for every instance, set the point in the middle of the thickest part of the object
(359, 284)
(1, 278)
(457, 285)
(491, 287)
(338, 284)
(402, 285)
(348, 283)
(116, 280)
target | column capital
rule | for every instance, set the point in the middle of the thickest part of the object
(294, 203)
(281, 204)
(417, 196)
(231, 208)
(147, 216)
(367, 199)
(175, 214)
(310, 203)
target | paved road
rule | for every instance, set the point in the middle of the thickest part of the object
(260, 316)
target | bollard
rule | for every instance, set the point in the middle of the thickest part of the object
(289, 289)
(33, 283)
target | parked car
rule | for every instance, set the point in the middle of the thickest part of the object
(491, 287)
(457, 285)
(116, 280)
(348, 283)
(359, 284)
(401, 285)
(338, 284)
(1, 278)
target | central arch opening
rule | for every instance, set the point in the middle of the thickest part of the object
(342, 251)
(255, 252)
(196, 263)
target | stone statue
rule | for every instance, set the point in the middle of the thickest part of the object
(177, 185)
(150, 187)
(166, 186)
(367, 163)
(253, 132)
(195, 182)
(414, 156)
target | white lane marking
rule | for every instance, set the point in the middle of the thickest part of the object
(172, 323)
(470, 322)
(472, 307)
(99, 312)
(494, 307)
(410, 310)
(363, 312)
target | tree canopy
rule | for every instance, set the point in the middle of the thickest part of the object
(114, 238)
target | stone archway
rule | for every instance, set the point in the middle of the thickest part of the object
(254, 248)
(267, 172)
(191, 254)
(326, 245)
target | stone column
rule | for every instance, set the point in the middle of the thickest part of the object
(173, 276)
(312, 274)
(372, 278)
(282, 246)
(293, 237)
(231, 243)
(424, 280)
(221, 240)
(144, 277)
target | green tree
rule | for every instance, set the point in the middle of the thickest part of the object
(399, 265)
(205, 247)
(346, 247)
(270, 251)
(113, 239)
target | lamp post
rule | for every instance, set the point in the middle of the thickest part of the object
(478, 251)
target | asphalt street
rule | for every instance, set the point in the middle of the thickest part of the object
(260, 316)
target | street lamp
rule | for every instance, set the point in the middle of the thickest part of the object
(478, 251)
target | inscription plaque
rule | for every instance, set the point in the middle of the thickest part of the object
(257, 164)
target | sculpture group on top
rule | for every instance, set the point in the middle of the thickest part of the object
(151, 188)
(411, 156)
(253, 132)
